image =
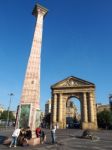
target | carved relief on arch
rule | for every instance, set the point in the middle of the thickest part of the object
(72, 82)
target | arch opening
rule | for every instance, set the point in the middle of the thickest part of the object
(73, 113)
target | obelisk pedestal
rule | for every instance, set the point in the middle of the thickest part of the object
(29, 112)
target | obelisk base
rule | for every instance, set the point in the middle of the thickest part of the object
(34, 141)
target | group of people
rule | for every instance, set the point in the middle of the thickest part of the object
(40, 134)
(21, 136)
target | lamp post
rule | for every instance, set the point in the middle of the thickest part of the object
(8, 111)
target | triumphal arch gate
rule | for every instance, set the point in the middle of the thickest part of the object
(84, 91)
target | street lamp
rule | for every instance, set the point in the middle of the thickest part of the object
(11, 94)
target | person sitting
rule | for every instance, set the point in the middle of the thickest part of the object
(21, 137)
(28, 135)
(87, 134)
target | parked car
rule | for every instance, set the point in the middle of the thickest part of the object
(77, 125)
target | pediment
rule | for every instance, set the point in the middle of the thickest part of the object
(72, 82)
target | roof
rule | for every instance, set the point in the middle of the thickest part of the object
(72, 82)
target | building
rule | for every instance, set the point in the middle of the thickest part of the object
(1, 109)
(14, 113)
(71, 110)
(42, 115)
(100, 107)
(48, 107)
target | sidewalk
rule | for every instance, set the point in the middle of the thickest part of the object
(67, 140)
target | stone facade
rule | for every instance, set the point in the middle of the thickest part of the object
(101, 107)
(82, 90)
(48, 107)
(1, 108)
(71, 110)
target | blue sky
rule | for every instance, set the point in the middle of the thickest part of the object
(77, 41)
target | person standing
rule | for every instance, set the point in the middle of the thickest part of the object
(42, 137)
(53, 136)
(38, 131)
(14, 137)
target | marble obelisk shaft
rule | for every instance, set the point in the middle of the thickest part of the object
(30, 99)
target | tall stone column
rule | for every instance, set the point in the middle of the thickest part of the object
(91, 105)
(64, 100)
(60, 110)
(85, 119)
(55, 109)
(94, 107)
(29, 114)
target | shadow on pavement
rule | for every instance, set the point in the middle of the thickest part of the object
(2, 139)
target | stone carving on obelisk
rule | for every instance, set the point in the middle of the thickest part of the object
(30, 100)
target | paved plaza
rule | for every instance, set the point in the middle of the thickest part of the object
(68, 140)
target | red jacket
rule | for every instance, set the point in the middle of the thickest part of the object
(38, 132)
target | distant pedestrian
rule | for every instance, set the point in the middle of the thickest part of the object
(14, 137)
(42, 136)
(67, 125)
(53, 136)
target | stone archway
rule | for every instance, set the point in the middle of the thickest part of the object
(73, 112)
(82, 90)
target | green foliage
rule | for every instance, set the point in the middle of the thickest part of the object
(4, 115)
(104, 119)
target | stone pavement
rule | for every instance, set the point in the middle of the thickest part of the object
(69, 140)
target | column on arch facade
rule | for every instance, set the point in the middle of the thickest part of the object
(60, 108)
(94, 108)
(54, 119)
(91, 105)
(85, 109)
(64, 100)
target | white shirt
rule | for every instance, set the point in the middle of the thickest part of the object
(53, 130)
(16, 132)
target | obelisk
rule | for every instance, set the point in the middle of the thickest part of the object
(30, 99)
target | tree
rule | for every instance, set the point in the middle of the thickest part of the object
(4, 115)
(104, 119)
(47, 119)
